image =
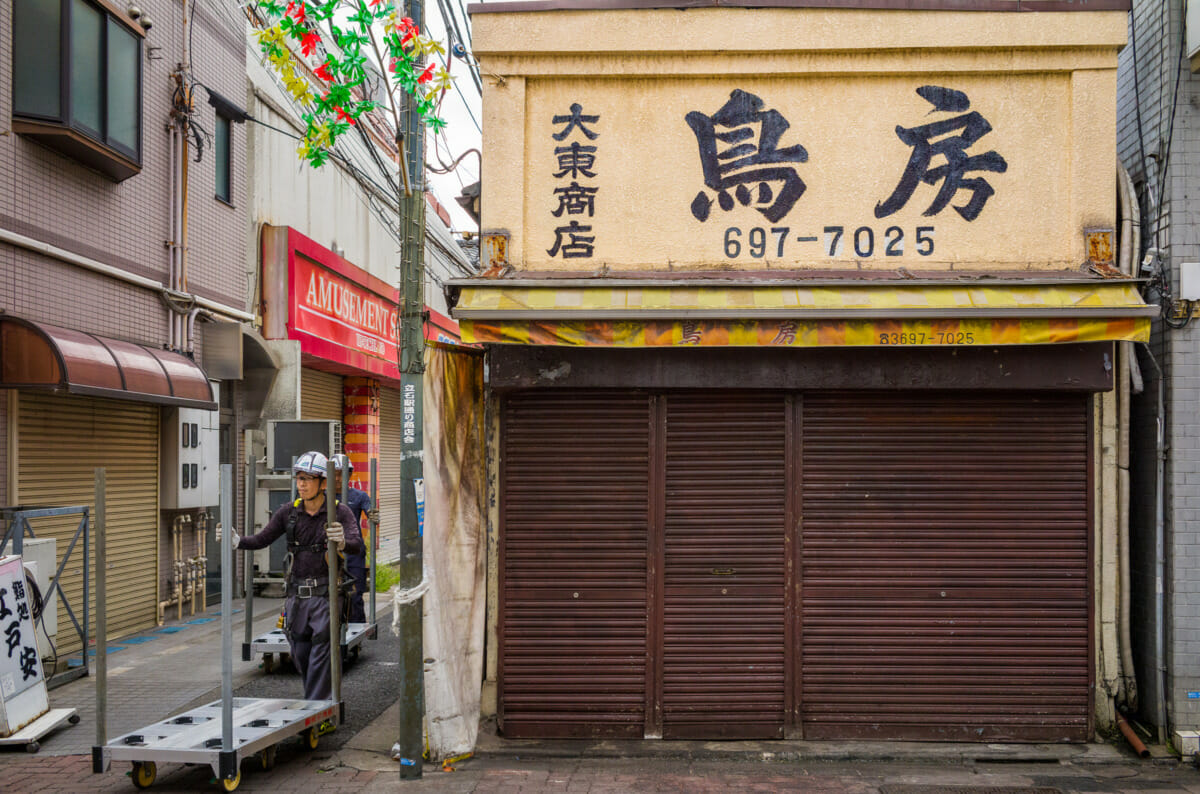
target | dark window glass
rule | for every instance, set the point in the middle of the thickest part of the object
(37, 58)
(87, 69)
(222, 151)
(123, 94)
(77, 65)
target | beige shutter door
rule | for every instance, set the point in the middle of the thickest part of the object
(391, 418)
(61, 441)
(320, 395)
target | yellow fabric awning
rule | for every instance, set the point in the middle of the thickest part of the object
(596, 313)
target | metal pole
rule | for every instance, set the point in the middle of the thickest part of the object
(345, 497)
(98, 764)
(335, 617)
(374, 530)
(226, 608)
(248, 556)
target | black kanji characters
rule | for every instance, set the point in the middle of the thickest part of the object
(935, 138)
(575, 161)
(744, 162)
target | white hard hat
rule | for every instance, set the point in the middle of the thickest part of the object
(342, 463)
(310, 463)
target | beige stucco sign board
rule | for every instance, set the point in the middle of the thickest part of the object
(936, 158)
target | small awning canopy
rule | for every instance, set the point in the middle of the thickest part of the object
(612, 313)
(40, 356)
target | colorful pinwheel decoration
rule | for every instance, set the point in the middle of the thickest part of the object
(340, 36)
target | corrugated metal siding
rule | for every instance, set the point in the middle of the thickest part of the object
(945, 566)
(574, 516)
(320, 395)
(724, 532)
(62, 440)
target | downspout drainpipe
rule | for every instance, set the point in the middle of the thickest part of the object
(190, 345)
(1125, 351)
(1132, 737)
(1160, 646)
(171, 235)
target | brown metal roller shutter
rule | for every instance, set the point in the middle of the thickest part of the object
(573, 560)
(724, 528)
(62, 440)
(320, 395)
(945, 567)
(391, 419)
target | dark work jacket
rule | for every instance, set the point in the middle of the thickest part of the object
(309, 530)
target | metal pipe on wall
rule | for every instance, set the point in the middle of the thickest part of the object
(101, 617)
(172, 131)
(335, 616)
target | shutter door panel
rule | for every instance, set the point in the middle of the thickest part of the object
(945, 567)
(574, 543)
(320, 395)
(391, 429)
(724, 567)
(62, 440)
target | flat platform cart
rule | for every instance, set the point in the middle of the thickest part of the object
(195, 737)
(226, 732)
(34, 731)
(273, 645)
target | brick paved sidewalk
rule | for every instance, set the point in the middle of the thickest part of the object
(154, 674)
(301, 771)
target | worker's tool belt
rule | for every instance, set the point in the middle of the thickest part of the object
(308, 588)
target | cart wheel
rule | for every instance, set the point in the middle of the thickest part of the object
(268, 662)
(267, 758)
(231, 784)
(312, 738)
(144, 773)
(32, 747)
(73, 719)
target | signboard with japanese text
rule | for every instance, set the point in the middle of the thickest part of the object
(20, 663)
(799, 139)
(761, 173)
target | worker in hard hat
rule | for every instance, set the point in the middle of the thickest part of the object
(306, 609)
(360, 505)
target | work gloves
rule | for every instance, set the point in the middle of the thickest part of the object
(373, 514)
(233, 535)
(335, 533)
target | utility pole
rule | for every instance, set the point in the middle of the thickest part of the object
(412, 368)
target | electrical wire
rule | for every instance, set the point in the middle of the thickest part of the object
(449, 16)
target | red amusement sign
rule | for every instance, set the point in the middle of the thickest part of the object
(340, 312)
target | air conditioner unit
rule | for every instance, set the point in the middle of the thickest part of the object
(40, 558)
(291, 438)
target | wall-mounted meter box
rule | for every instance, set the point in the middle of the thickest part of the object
(190, 451)
(1189, 281)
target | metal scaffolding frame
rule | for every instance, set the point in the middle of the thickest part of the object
(15, 521)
